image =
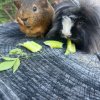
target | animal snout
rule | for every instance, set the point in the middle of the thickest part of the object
(24, 19)
(69, 35)
(26, 23)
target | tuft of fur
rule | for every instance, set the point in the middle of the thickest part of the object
(86, 23)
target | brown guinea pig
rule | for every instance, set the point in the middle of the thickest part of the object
(34, 16)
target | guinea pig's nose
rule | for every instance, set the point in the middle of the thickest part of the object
(69, 35)
(24, 19)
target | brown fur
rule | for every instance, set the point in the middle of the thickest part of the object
(37, 22)
(55, 2)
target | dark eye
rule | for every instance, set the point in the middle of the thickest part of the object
(34, 9)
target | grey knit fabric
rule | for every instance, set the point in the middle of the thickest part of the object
(48, 74)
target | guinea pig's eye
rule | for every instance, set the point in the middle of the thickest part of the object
(34, 8)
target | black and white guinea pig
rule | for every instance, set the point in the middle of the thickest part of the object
(78, 20)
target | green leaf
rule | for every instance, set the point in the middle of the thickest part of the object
(8, 58)
(15, 51)
(70, 47)
(67, 52)
(32, 46)
(16, 65)
(6, 65)
(54, 44)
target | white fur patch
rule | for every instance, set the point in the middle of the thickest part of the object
(67, 25)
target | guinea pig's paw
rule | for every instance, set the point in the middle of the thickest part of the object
(20, 21)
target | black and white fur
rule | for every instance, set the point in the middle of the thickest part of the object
(78, 20)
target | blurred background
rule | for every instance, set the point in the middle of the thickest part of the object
(7, 11)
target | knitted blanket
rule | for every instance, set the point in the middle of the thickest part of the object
(48, 74)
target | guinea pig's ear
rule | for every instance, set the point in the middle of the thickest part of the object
(57, 1)
(44, 3)
(17, 3)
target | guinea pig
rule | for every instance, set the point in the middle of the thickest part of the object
(34, 16)
(78, 20)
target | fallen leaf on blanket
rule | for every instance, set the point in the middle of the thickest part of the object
(32, 46)
(70, 47)
(54, 44)
(6, 65)
(8, 58)
(17, 51)
(16, 65)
